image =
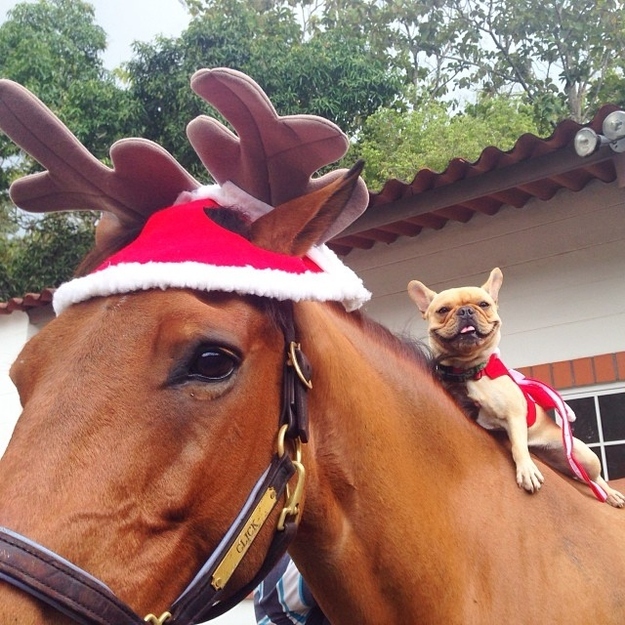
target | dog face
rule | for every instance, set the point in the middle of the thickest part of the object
(463, 323)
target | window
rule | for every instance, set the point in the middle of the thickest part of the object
(600, 424)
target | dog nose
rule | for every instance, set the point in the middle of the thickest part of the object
(465, 311)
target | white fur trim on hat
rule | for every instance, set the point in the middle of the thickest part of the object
(335, 283)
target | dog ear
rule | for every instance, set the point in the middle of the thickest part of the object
(420, 295)
(493, 284)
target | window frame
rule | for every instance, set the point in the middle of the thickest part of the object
(595, 391)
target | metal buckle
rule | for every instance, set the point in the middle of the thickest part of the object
(292, 504)
(150, 618)
(294, 362)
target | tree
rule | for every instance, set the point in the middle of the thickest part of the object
(429, 137)
(53, 47)
(45, 254)
(558, 53)
(332, 73)
(562, 56)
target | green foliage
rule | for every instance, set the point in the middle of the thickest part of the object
(611, 89)
(333, 73)
(397, 145)
(555, 52)
(49, 46)
(53, 47)
(45, 253)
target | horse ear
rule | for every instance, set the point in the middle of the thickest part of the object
(493, 284)
(420, 295)
(294, 227)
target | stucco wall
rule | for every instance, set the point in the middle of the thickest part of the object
(563, 261)
(13, 335)
(15, 330)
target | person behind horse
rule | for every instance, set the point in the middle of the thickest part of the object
(284, 598)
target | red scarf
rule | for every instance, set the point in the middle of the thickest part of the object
(541, 394)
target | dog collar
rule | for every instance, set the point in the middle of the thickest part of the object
(456, 374)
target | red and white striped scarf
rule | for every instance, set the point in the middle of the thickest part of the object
(541, 394)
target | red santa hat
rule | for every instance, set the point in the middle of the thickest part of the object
(181, 247)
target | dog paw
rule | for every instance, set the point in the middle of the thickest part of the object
(615, 498)
(529, 477)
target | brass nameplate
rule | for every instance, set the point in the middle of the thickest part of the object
(243, 541)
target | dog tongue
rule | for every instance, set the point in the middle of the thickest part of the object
(467, 329)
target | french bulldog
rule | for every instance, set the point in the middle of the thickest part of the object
(464, 330)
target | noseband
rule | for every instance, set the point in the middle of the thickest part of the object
(50, 578)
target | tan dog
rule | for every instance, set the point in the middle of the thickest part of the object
(464, 332)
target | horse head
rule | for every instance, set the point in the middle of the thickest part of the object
(159, 407)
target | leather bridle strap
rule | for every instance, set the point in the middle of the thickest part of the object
(72, 591)
(198, 601)
(57, 582)
(64, 586)
(294, 417)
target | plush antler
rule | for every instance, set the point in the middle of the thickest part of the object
(273, 158)
(145, 177)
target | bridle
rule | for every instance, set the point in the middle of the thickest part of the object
(53, 580)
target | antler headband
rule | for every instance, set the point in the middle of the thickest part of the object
(270, 160)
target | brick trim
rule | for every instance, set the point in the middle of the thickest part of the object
(567, 374)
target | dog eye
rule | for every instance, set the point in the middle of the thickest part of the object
(212, 364)
(443, 310)
(484, 305)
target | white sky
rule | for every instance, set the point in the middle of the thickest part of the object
(125, 21)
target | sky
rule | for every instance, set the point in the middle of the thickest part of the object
(125, 21)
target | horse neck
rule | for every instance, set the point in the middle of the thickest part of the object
(388, 454)
(375, 400)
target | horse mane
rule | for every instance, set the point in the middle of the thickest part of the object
(403, 345)
(419, 353)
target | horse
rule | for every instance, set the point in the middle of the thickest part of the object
(131, 455)
(149, 416)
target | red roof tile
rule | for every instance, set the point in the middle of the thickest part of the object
(26, 303)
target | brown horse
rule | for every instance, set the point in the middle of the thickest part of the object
(149, 416)
(156, 421)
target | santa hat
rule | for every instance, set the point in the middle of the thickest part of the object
(182, 247)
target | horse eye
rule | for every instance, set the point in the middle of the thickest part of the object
(213, 364)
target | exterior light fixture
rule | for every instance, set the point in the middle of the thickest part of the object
(587, 141)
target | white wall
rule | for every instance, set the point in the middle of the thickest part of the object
(15, 329)
(563, 261)
(13, 335)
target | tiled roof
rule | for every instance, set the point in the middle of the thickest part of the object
(533, 168)
(26, 303)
